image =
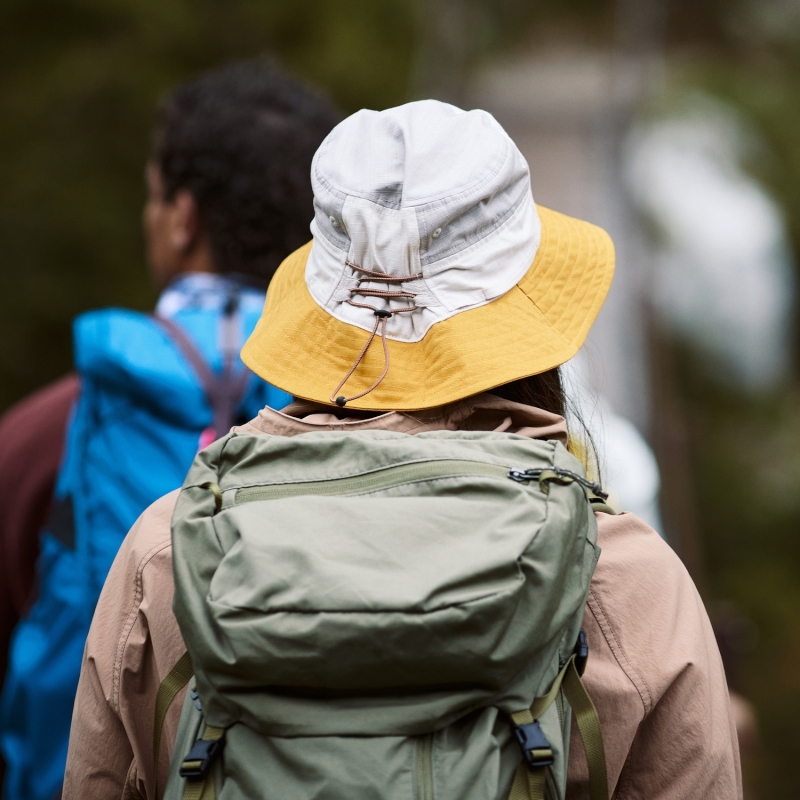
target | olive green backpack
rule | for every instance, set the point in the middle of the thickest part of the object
(378, 616)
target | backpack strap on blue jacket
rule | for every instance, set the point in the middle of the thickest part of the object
(224, 392)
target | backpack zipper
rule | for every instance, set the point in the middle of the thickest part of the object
(423, 768)
(389, 477)
(385, 478)
(559, 475)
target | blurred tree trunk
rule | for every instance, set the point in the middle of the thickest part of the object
(640, 38)
(671, 437)
(640, 26)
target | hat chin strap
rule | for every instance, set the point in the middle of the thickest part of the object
(381, 317)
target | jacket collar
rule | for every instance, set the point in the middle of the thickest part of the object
(482, 412)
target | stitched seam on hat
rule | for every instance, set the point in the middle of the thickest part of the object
(567, 342)
(471, 187)
(464, 194)
(472, 246)
(318, 175)
(370, 196)
(342, 278)
(499, 223)
(324, 232)
(321, 219)
(630, 671)
(130, 621)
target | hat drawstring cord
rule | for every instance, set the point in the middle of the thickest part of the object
(381, 317)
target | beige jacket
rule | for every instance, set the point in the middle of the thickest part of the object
(654, 670)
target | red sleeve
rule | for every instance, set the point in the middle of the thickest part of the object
(31, 445)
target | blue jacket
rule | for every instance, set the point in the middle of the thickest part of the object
(134, 432)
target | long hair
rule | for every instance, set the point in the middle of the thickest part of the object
(546, 391)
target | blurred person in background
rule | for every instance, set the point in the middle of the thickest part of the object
(228, 198)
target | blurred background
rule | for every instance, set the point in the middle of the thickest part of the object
(675, 125)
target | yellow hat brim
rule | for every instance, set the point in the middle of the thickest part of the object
(537, 325)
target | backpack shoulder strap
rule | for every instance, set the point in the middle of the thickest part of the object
(189, 350)
(177, 678)
(223, 392)
(529, 781)
(589, 729)
(196, 767)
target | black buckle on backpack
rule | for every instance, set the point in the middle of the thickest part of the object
(198, 762)
(581, 652)
(535, 748)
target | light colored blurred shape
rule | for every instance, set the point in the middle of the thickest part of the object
(630, 470)
(628, 467)
(723, 275)
(746, 721)
(566, 106)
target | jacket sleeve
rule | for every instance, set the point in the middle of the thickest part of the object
(100, 756)
(133, 643)
(655, 675)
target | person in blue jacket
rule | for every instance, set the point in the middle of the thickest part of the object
(228, 198)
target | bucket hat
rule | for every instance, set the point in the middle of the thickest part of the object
(432, 274)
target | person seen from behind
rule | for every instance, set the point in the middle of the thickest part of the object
(403, 584)
(227, 200)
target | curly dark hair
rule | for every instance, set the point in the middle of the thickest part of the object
(241, 140)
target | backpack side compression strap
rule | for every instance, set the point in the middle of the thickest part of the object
(177, 678)
(196, 766)
(589, 729)
(529, 781)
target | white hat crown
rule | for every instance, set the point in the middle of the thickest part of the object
(426, 192)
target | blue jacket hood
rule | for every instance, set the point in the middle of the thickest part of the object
(129, 352)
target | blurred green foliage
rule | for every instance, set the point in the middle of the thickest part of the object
(745, 466)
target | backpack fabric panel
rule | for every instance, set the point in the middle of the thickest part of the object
(474, 759)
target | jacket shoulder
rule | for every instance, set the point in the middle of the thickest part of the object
(646, 605)
(148, 541)
(629, 543)
(152, 530)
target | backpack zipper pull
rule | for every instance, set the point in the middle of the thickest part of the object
(564, 476)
